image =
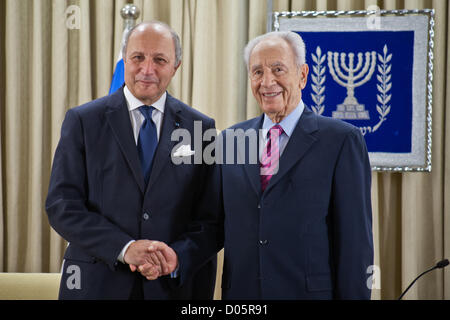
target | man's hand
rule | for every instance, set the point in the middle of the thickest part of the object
(167, 261)
(138, 254)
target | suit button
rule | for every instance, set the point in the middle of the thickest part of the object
(145, 216)
(263, 242)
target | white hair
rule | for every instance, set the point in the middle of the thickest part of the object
(292, 38)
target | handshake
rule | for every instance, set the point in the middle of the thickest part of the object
(152, 259)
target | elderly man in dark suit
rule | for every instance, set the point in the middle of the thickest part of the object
(114, 188)
(303, 230)
(297, 224)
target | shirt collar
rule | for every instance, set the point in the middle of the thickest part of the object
(288, 123)
(134, 103)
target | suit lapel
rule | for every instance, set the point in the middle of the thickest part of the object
(253, 170)
(299, 143)
(171, 121)
(118, 118)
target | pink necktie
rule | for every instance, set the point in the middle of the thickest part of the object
(271, 156)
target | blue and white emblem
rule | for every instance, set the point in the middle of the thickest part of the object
(364, 78)
(376, 76)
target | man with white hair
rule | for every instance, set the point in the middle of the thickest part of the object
(297, 223)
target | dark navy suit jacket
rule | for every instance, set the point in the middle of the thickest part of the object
(309, 235)
(97, 200)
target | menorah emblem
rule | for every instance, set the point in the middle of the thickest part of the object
(351, 109)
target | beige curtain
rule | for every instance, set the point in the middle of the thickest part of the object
(47, 67)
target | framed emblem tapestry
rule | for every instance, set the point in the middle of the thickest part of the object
(373, 69)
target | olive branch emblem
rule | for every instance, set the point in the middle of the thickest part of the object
(318, 79)
(384, 85)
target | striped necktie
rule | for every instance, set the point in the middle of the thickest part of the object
(271, 156)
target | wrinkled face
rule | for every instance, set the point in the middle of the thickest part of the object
(276, 80)
(149, 62)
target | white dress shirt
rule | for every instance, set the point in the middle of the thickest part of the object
(137, 118)
(288, 124)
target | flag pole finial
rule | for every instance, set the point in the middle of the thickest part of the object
(130, 13)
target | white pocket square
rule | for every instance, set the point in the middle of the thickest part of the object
(184, 151)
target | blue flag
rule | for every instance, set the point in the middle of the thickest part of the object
(118, 76)
(119, 72)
